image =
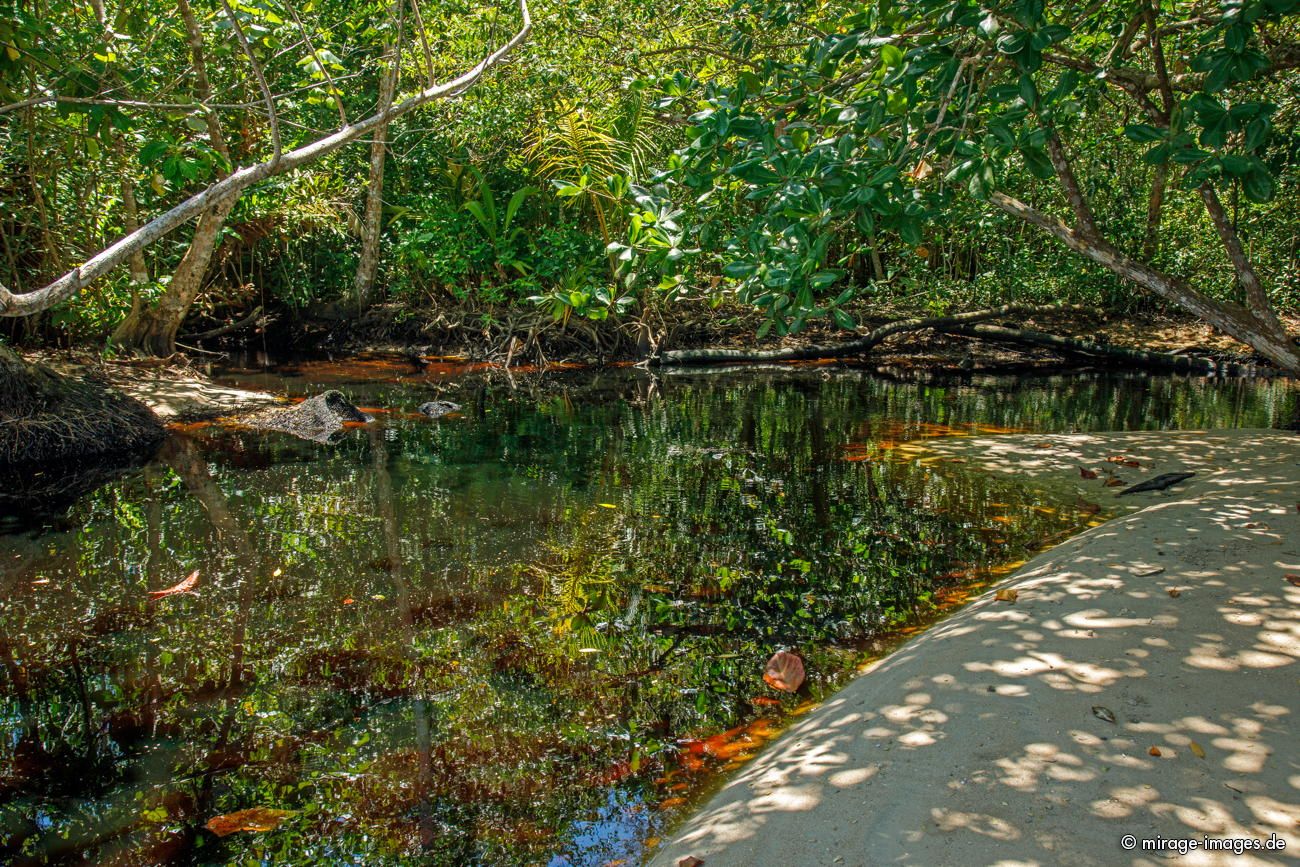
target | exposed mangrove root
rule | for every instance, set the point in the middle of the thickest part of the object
(254, 318)
(50, 420)
(1103, 351)
(863, 344)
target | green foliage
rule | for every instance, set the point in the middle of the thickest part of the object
(876, 137)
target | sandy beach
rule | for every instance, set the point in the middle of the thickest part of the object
(1140, 692)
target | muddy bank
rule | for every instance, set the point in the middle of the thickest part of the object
(1142, 682)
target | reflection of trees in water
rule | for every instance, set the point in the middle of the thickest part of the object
(459, 714)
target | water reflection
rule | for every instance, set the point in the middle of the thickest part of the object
(524, 635)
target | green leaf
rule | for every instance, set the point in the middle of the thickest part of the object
(1144, 132)
(1258, 186)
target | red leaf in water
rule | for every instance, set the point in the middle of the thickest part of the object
(1087, 474)
(784, 671)
(253, 819)
(186, 586)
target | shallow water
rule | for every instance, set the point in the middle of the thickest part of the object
(528, 633)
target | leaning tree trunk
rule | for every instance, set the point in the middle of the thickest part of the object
(153, 330)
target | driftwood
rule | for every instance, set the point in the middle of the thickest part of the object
(231, 327)
(1104, 352)
(863, 344)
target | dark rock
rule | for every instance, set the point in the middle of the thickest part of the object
(318, 419)
(439, 408)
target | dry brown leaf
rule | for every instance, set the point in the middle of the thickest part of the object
(1154, 751)
(1174, 592)
(1007, 595)
(1197, 749)
(1104, 713)
(1087, 473)
(252, 819)
(784, 671)
(185, 586)
(1293, 579)
(1114, 483)
(690, 861)
(1087, 508)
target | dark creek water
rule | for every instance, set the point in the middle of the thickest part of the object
(530, 633)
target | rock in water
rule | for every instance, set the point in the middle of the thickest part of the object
(439, 408)
(317, 419)
(1159, 483)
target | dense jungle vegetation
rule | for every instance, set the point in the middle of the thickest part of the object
(181, 169)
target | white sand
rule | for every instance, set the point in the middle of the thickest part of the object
(977, 743)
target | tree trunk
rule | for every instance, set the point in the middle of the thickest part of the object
(373, 223)
(69, 284)
(1155, 207)
(153, 330)
(1253, 329)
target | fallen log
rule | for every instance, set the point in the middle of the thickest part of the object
(863, 344)
(1095, 351)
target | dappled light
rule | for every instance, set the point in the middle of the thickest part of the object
(1121, 646)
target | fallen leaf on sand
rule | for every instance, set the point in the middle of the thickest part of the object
(1293, 579)
(1114, 483)
(253, 819)
(690, 861)
(1154, 751)
(1087, 473)
(349, 601)
(784, 671)
(1197, 749)
(1087, 508)
(1174, 592)
(1103, 713)
(1148, 571)
(1255, 525)
(1044, 445)
(1007, 595)
(186, 586)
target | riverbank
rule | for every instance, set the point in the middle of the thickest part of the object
(1143, 682)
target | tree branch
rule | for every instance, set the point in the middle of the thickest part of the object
(273, 115)
(109, 258)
